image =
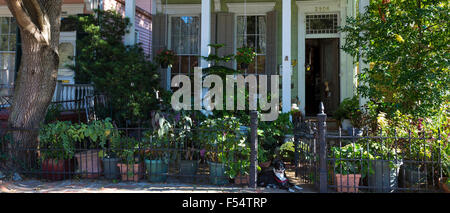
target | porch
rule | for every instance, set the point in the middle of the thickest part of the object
(297, 40)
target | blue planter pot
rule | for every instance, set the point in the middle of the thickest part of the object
(110, 168)
(156, 170)
(385, 179)
(188, 168)
(217, 173)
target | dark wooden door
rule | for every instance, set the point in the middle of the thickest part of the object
(330, 88)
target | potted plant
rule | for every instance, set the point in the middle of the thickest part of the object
(444, 184)
(349, 115)
(245, 56)
(350, 165)
(165, 57)
(386, 166)
(108, 154)
(218, 63)
(224, 144)
(92, 137)
(156, 150)
(130, 165)
(56, 150)
(188, 142)
(263, 158)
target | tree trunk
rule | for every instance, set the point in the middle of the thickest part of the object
(36, 79)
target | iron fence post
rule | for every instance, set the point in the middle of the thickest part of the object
(322, 127)
(253, 148)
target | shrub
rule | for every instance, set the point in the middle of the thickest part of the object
(406, 45)
(123, 73)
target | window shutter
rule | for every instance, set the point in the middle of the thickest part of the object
(213, 30)
(160, 38)
(271, 43)
(225, 34)
(159, 34)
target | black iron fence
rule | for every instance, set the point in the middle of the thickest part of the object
(335, 162)
(194, 155)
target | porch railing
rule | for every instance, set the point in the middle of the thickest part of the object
(69, 96)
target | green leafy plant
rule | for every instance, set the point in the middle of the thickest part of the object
(57, 141)
(287, 151)
(165, 56)
(53, 112)
(218, 62)
(272, 133)
(123, 73)
(405, 44)
(128, 150)
(351, 159)
(97, 133)
(222, 139)
(245, 55)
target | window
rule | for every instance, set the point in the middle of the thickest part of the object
(8, 30)
(322, 24)
(185, 41)
(251, 32)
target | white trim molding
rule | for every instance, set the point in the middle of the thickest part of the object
(252, 8)
(311, 7)
(178, 9)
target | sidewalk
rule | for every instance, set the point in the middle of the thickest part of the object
(103, 186)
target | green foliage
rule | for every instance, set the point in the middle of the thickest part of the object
(98, 133)
(215, 59)
(271, 134)
(226, 144)
(53, 113)
(245, 55)
(123, 73)
(57, 141)
(127, 150)
(165, 56)
(263, 155)
(346, 108)
(434, 132)
(351, 159)
(406, 45)
(287, 151)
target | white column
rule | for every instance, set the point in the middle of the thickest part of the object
(286, 53)
(363, 4)
(130, 12)
(205, 32)
(301, 61)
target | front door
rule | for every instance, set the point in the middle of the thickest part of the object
(322, 75)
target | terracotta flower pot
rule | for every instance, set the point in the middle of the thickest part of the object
(242, 179)
(347, 183)
(89, 164)
(131, 172)
(53, 169)
(443, 185)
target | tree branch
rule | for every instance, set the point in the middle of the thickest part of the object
(24, 20)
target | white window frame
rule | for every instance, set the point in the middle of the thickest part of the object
(169, 39)
(236, 35)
